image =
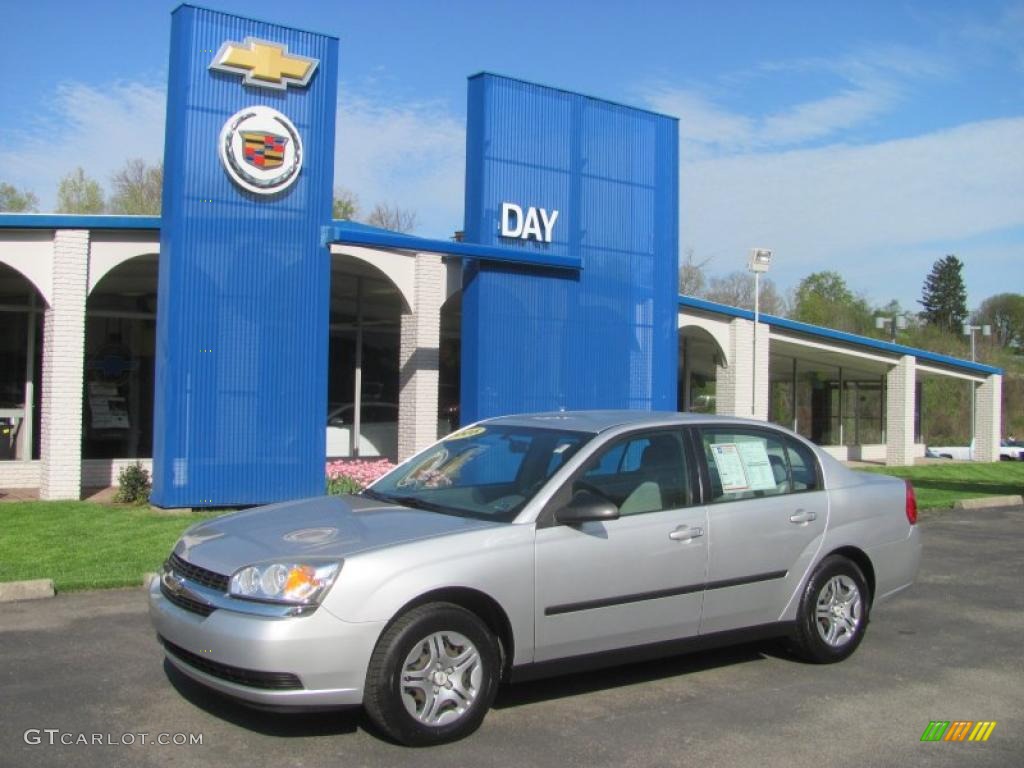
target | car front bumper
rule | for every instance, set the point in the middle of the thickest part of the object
(300, 661)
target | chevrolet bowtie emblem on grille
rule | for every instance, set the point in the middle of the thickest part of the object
(264, 64)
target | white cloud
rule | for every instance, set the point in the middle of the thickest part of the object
(97, 129)
(824, 117)
(707, 129)
(411, 155)
(857, 208)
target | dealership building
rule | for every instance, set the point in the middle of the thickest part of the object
(212, 343)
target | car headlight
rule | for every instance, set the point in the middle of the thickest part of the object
(284, 582)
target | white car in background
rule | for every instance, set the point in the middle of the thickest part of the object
(378, 430)
(1009, 450)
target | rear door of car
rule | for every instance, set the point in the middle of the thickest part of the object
(767, 514)
(631, 581)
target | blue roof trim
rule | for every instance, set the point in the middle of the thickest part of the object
(833, 335)
(76, 221)
(355, 233)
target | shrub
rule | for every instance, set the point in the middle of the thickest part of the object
(352, 475)
(133, 485)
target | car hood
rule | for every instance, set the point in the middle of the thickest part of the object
(322, 528)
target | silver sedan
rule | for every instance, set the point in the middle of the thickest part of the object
(531, 545)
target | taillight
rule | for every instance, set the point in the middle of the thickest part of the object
(911, 504)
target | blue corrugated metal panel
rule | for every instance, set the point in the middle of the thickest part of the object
(604, 337)
(830, 334)
(75, 221)
(244, 283)
(361, 234)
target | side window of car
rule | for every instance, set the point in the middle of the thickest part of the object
(804, 466)
(746, 464)
(641, 473)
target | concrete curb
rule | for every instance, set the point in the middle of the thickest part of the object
(148, 578)
(26, 590)
(988, 502)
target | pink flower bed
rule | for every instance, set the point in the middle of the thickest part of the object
(360, 471)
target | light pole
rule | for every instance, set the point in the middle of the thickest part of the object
(986, 330)
(760, 260)
(897, 323)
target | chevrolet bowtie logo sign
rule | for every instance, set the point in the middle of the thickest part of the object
(264, 64)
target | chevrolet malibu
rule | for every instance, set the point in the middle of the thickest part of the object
(531, 545)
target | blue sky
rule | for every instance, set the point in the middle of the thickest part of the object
(871, 138)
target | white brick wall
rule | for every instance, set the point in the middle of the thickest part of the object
(60, 473)
(987, 404)
(19, 474)
(103, 473)
(899, 412)
(419, 359)
(96, 473)
(734, 389)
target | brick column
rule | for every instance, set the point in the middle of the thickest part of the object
(899, 412)
(60, 440)
(734, 388)
(987, 422)
(419, 358)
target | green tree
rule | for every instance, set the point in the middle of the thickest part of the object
(1005, 313)
(392, 217)
(823, 298)
(13, 201)
(346, 204)
(79, 194)
(138, 189)
(943, 296)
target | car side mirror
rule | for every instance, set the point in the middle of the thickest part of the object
(585, 507)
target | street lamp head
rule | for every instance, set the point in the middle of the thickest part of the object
(986, 330)
(901, 322)
(881, 322)
(967, 329)
(760, 259)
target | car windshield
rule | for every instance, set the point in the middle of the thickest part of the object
(487, 471)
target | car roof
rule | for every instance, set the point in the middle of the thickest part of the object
(600, 421)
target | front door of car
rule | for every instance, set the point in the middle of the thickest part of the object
(767, 514)
(630, 581)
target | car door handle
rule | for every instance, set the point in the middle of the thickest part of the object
(803, 517)
(686, 533)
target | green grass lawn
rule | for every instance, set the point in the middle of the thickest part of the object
(938, 485)
(82, 545)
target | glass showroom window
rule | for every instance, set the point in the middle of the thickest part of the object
(21, 336)
(120, 342)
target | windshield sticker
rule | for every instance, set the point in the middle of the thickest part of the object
(754, 455)
(462, 434)
(743, 466)
(730, 467)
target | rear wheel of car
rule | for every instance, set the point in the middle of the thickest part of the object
(833, 612)
(432, 676)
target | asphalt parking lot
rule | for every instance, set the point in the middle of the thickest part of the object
(86, 666)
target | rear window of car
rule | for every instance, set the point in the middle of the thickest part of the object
(754, 463)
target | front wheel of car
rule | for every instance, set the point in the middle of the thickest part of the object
(432, 676)
(833, 613)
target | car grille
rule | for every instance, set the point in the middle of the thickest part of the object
(183, 601)
(275, 681)
(211, 579)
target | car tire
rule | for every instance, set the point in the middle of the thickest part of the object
(432, 676)
(833, 612)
